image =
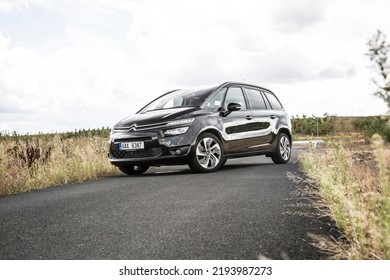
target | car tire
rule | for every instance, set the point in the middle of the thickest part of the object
(283, 149)
(208, 154)
(133, 169)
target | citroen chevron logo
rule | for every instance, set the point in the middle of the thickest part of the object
(133, 127)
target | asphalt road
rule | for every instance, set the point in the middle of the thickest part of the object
(238, 212)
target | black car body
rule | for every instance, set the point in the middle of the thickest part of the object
(202, 127)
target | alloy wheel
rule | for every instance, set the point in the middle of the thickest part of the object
(208, 153)
(284, 147)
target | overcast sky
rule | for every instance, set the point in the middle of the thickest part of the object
(76, 64)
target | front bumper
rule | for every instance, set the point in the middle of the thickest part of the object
(158, 149)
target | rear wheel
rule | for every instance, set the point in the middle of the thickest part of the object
(208, 154)
(133, 169)
(283, 149)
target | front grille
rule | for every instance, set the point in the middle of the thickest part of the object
(135, 127)
(151, 152)
(133, 139)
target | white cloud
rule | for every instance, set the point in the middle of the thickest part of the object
(72, 88)
(7, 5)
(295, 16)
(106, 58)
(200, 45)
(3, 42)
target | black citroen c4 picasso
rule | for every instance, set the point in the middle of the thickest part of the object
(202, 127)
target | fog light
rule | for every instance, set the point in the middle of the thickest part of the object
(179, 151)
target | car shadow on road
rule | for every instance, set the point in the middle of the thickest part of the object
(244, 165)
(182, 170)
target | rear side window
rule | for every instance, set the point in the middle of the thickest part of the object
(275, 104)
(256, 99)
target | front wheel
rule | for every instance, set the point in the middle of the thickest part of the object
(133, 169)
(208, 154)
(283, 149)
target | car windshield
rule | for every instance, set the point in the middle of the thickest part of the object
(180, 98)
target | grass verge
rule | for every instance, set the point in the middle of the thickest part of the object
(49, 160)
(355, 187)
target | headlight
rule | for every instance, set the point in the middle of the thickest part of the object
(180, 122)
(176, 131)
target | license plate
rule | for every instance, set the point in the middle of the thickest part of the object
(132, 146)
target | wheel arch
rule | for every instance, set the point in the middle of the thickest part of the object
(287, 132)
(212, 131)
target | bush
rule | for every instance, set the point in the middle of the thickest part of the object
(373, 125)
(313, 125)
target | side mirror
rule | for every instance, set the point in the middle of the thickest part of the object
(230, 108)
(233, 107)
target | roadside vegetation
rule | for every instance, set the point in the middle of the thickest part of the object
(353, 176)
(352, 173)
(354, 186)
(313, 125)
(30, 162)
(369, 126)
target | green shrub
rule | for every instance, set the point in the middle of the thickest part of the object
(373, 125)
(313, 125)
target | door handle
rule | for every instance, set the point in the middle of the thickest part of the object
(272, 116)
(249, 118)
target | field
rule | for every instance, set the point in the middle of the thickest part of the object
(351, 180)
(40, 161)
(353, 183)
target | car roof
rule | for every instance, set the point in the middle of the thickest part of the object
(231, 83)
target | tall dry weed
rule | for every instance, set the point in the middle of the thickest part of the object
(354, 184)
(52, 160)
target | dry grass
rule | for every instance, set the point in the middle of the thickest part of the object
(355, 187)
(46, 161)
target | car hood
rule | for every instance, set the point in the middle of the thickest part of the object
(155, 117)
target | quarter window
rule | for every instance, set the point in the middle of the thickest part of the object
(275, 104)
(255, 99)
(215, 103)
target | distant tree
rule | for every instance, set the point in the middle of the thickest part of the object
(378, 53)
(313, 125)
